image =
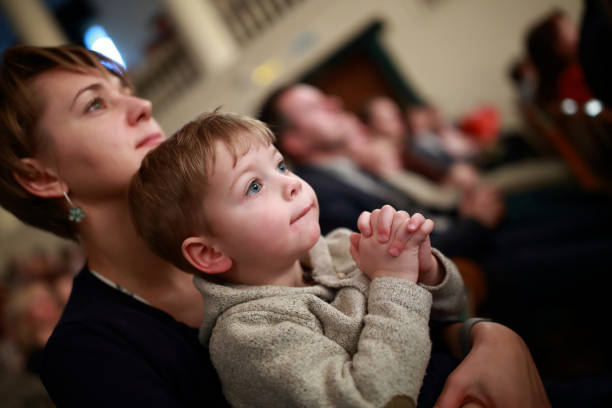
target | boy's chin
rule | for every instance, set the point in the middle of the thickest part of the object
(314, 237)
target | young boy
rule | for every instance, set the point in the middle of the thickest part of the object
(291, 319)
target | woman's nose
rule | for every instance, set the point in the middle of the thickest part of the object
(292, 188)
(138, 109)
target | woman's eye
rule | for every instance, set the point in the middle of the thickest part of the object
(254, 188)
(95, 104)
(282, 167)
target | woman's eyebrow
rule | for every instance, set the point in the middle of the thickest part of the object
(95, 86)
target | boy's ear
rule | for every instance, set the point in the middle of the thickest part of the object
(204, 256)
(41, 181)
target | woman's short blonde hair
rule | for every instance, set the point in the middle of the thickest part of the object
(20, 111)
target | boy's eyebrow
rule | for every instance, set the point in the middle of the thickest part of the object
(239, 176)
(248, 168)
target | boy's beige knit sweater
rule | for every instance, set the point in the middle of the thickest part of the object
(344, 342)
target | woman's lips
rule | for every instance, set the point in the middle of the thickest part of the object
(150, 140)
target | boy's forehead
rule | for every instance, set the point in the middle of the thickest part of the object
(239, 152)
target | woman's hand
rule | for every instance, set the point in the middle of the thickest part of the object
(498, 372)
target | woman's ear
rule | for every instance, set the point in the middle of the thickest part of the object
(40, 181)
(204, 256)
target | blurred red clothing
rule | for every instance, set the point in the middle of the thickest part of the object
(571, 84)
(482, 123)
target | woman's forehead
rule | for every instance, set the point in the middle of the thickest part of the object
(70, 81)
(58, 88)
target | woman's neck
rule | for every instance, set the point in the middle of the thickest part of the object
(115, 251)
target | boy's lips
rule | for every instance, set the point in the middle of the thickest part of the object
(152, 139)
(302, 213)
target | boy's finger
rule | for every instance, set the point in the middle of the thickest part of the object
(383, 229)
(374, 220)
(354, 247)
(425, 254)
(427, 226)
(355, 238)
(416, 221)
(425, 248)
(399, 221)
(403, 213)
(400, 238)
(419, 236)
(364, 224)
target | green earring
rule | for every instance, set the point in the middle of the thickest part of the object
(76, 213)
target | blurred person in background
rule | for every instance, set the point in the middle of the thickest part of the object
(426, 142)
(32, 310)
(552, 46)
(440, 151)
(29, 314)
(55, 268)
(36, 286)
(35, 264)
(524, 77)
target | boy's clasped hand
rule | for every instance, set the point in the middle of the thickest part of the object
(394, 244)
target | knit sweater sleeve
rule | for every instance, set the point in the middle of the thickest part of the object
(449, 297)
(268, 358)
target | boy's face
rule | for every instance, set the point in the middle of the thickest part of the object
(262, 215)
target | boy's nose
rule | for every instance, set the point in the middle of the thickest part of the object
(292, 189)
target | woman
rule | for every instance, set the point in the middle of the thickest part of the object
(71, 136)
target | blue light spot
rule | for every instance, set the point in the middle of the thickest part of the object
(98, 40)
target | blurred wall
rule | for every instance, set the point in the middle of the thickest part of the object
(455, 53)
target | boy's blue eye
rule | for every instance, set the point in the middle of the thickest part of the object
(281, 167)
(254, 187)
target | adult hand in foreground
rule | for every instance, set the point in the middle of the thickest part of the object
(497, 372)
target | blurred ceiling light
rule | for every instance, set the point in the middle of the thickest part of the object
(266, 72)
(569, 106)
(98, 40)
(593, 107)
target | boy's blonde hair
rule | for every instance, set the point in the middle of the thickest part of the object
(166, 194)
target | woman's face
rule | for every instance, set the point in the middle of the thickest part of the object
(93, 132)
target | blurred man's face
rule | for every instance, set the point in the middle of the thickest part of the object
(386, 119)
(314, 115)
(567, 38)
